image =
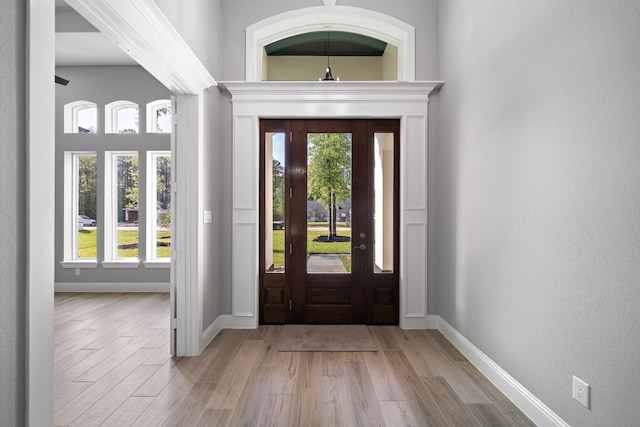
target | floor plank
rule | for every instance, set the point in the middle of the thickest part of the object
(113, 368)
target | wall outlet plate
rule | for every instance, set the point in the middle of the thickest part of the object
(581, 392)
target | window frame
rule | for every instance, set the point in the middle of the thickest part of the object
(152, 117)
(71, 111)
(152, 260)
(111, 111)
(70, 216)
(111, 259)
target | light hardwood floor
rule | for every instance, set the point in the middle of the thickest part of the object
(112, 368)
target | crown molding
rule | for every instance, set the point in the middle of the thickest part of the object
(144, 33)
(335, 91)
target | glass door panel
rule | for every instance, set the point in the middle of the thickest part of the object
(383, 203)
(329, 168)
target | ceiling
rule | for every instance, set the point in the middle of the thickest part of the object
(80, 43)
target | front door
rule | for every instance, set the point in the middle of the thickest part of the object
(329, 221)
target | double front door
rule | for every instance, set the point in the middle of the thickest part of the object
(329, 221)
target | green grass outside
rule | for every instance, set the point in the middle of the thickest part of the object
(346, 261)
(324, 224)
(312, 247)
(88, 248)
(87, 244)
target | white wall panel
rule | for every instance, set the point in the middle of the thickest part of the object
(415, 277)
(245, 269)
(415, 166)
(245, 170)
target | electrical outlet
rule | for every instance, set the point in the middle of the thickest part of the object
(581, 391)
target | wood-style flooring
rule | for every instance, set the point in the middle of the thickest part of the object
(113, 368)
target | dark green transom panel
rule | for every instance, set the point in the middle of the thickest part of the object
(323, 43)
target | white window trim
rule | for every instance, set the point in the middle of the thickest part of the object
(157, 263)
(111, 259)
(152, 212)
(111, 114)
(71, 111)
(70, 218)
(152, 117)
(80, 264)
(121, 263)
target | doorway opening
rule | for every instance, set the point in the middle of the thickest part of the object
(329, 221)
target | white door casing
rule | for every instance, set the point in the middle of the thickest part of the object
(255, 100)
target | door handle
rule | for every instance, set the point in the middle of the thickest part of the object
(360, 247)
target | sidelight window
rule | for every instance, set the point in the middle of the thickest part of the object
(274, 200)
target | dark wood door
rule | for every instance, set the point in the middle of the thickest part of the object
(329, 221)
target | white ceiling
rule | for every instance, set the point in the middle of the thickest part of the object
(74, 49)
(78, 43)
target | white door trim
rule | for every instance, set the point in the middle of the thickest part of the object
(182, 73)
(40, 212)
(255, 100)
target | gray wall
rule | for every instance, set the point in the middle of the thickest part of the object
(239, 14)
(103, 85)
(13, 257)
(537, 241)
(198, 22)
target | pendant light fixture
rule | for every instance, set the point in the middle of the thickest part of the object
(327, 75)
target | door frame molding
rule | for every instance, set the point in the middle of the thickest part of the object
(407, 101)
(40, 100)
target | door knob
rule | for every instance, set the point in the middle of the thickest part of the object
(361, 247)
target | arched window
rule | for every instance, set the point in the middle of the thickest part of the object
(397, 62)
(121, 117)
(329, 55)
(159, 116)
(80, 117)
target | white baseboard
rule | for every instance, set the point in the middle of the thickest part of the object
(413, 322)
(111, 287)
(433, 321)
(222, 322)
(532, 407)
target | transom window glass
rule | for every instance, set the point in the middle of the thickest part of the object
(121, 117)
(80, 117)
(159, 116)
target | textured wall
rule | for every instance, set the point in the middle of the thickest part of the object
(537, 241)
(13, 263)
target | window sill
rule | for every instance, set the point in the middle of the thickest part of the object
(121, 264)
(92, 263)
(157, 264)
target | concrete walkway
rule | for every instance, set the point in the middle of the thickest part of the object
(325, 263)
